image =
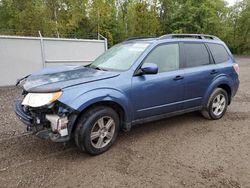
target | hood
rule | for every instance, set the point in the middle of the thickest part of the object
(53, 79)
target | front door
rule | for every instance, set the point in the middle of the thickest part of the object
(162, 92)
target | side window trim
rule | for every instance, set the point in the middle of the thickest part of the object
(182, 55)
(158, 45)
(211, 58)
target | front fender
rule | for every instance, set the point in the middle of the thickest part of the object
(221, 79)
(102, 94)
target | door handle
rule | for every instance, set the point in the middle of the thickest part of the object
(179, 77)
(214, 72)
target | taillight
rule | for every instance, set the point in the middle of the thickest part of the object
(237, 68)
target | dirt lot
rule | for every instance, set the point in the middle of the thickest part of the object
(183, 151)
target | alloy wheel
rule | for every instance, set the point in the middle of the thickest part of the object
(218, 105)
(102, 132)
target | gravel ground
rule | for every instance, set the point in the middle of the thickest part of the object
(183, 151)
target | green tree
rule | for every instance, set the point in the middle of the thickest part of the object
(192, 16)
(22, 17)
(120, 19)
(145, 20)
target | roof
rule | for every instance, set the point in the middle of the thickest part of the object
(177, 37)
(194, 36)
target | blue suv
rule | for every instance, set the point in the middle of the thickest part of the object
(136, 81)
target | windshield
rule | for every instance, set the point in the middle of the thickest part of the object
(120, 57)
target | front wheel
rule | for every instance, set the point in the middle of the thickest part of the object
(217, 105)
(97, 130)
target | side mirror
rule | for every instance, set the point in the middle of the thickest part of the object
(149, 68)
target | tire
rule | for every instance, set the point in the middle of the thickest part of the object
(102, 124)
(217, 105)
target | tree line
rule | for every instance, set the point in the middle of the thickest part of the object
(121, 19)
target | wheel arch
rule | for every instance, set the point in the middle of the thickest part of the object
(106, 97)
(114, 105)
(221, 82)
(228, 89)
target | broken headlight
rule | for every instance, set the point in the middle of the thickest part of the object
(40, 99)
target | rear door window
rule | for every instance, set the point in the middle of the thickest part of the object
(219, 52)
(196, 54)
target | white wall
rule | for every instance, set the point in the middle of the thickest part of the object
(20, 56)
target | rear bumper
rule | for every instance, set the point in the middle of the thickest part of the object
(22, 115)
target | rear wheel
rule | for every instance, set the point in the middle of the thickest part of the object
(97, 130)
(217, 105)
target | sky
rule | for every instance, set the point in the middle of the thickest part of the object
(231, 2)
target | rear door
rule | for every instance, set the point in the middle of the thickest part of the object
(199, 72)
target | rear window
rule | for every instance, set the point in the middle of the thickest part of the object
(196, 54)
(219, 52)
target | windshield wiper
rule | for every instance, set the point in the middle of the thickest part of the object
(97, 68)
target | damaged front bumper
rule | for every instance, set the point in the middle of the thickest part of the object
(55, 124)
(22, 116)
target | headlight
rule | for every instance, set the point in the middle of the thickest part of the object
(40, 99)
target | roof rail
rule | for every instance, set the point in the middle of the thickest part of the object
(197, 36)
(134, 38)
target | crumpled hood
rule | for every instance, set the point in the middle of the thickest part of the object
(56, 78)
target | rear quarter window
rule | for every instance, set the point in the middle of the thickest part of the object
(219, 52)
